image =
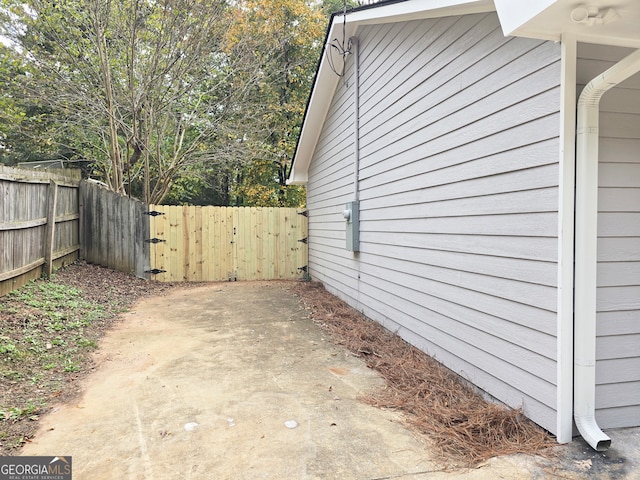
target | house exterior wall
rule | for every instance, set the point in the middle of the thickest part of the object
(458, 194)
(618, 271)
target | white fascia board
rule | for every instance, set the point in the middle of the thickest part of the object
(417, 10)
(326, 80)
(515, 13)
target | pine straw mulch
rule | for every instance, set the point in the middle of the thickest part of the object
(466, 428)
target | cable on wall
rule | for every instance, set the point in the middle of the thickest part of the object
(340, 46)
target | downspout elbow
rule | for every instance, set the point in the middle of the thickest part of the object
(590, 431)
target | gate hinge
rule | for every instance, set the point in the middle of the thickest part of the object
(152, 213)
(304, 269)
(304, 213)
(304, 240)
(155, 271)
(155, 240)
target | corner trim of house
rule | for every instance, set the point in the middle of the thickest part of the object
(566, 201)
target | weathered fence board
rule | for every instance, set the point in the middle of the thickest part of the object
(114, 230)
(227, 243)
(33, 203)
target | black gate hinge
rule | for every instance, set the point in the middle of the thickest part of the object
(304, 269)
(304, 240)
(155, 271)
(154, 240)
(304, 213)
(152, 213)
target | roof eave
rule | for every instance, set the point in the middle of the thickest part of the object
(609, 22)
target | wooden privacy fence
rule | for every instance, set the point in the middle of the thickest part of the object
(50, 219)
(115, 230)
(39, 216)
(227, 243)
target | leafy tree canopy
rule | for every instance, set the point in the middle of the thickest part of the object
(184, 100)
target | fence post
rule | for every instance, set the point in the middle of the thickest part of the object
(51, 227)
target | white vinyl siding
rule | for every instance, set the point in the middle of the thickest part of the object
(618, 275)
(459, 176)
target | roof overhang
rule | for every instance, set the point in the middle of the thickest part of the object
(609, 22)
(326, 80)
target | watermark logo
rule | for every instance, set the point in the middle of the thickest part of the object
(35, 468)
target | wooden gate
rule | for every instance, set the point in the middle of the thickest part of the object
(191, 243)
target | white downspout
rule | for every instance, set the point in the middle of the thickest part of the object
(586, 247)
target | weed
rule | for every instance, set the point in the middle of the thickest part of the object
(85, 342)
(7, 345)
(71, 366)
(14, 413)
(11, 375)
(9, 350)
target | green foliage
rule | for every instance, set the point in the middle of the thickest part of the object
(286, 37)
(142, 88)
(261, 186)
(184, 101)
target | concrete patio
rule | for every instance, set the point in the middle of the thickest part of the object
(234, 381)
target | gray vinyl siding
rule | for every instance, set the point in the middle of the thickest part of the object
(618, 295)
(459, 175)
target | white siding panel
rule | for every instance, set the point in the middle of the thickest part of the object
(609, 395)
(620, 224)
(611, 274)
(525, 201)
(450, 116)
(618, 280)
(620, 322)
(451, 133)
(618, 370)
(618, 199)
(414, 58)
(483, 148)
(618, 249)
(617, 417)
(451, 285)
(444, 330)
(619, 150)
(468, 178)
(620, 174)
(533, 405)
(519, 248)
(619, 346)
(534, 224)
(458, 199)
(503, 267)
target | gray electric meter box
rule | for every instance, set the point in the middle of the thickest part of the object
(352, 217)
